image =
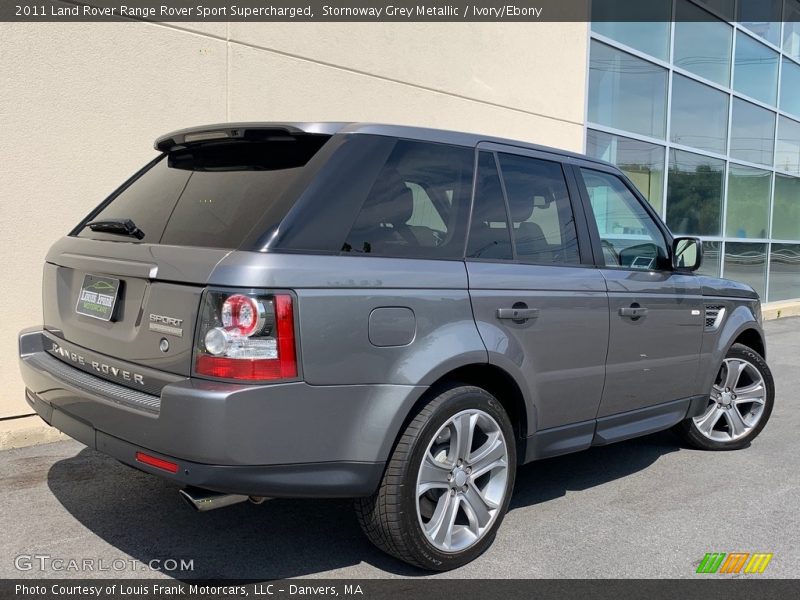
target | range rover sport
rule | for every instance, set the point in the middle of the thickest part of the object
(396, 315)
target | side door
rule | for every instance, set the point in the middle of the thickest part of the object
(539, 303)
(656, 314)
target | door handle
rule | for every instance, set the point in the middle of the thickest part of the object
(517, 314)
(634, 311)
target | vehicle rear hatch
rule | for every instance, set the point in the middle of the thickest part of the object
(135, 278)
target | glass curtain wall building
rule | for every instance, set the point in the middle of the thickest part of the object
(702, 110)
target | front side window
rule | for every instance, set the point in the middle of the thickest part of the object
(418, 204)
(541, 214)
(629, 236)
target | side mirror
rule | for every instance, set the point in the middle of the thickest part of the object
(687, 254)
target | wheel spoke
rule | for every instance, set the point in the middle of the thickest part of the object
(440, 527)
(490, 455)
(735, 422)
(477, 509)
(707, 420)
(461, 438)
(751, 393)
(432, 475)
(734, 371)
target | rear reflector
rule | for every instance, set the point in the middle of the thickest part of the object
(158, 463)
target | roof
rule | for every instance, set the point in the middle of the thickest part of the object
(238, 130)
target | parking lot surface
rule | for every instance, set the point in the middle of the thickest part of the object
(644, 508)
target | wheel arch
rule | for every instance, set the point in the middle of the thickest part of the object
(495, 380)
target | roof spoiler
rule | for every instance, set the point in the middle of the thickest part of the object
(241, 131)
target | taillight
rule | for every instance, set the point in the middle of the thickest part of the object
(246, 336)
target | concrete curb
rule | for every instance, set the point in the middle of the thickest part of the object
(27, 431)
(780, 310)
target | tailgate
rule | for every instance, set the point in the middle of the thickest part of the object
(157, 298)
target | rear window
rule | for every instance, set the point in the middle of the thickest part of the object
(213, 194)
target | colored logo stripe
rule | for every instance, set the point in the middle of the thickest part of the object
(734, 562)
(711, 562)
(758, 562)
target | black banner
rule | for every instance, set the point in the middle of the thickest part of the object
(440, 589)
(366, 11)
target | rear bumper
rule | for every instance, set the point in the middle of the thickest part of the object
(280, 440)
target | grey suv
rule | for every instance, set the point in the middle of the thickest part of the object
(391, 314)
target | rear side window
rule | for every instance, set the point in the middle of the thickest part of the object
(417, 205)
(212, 194)
(541, 213)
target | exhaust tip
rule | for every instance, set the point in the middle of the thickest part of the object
(205, 500)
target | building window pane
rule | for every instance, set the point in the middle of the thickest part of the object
(787, 151)
(790, 87)
(712, 255)
(791, 29)
(642, 162)
(755, 71)
(786, 208)
(640, 25)
(752, 133)
(699, 115)
(747, 263)
(784, 272)
(723, 8)
(702, 43)
(694, 193)
(626, 92)
(748, 202)
(762, 17)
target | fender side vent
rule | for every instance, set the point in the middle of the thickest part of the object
(714, 315)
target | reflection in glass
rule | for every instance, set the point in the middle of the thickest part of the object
(752, 133)
(755, 70)
(702, 43)
(640, 25)
(786, 208)
(642, 162)
(748, 202)
(762, 17)
(626, 92)
(694, 193)
(784, 272)
(747, 263)
(723, 7)
(790, 87)
(699, 115)
(712, 255)
(791, 29)
(787, 150)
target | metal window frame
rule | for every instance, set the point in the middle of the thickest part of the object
(668, 145)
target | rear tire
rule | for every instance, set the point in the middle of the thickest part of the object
(739, 406)
(448, 483)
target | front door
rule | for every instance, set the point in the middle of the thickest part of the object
(656, 314)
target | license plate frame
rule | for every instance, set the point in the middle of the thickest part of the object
(98, 297)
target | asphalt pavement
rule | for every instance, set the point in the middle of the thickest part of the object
(645, 508)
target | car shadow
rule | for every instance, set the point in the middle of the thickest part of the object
(144, 517)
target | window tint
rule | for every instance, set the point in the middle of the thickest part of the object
(541, 214)
(212, 194)
(629, 236)
(489, 235)
(418, 204)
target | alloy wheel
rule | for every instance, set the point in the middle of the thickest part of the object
(462, 480)
(736, 403)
